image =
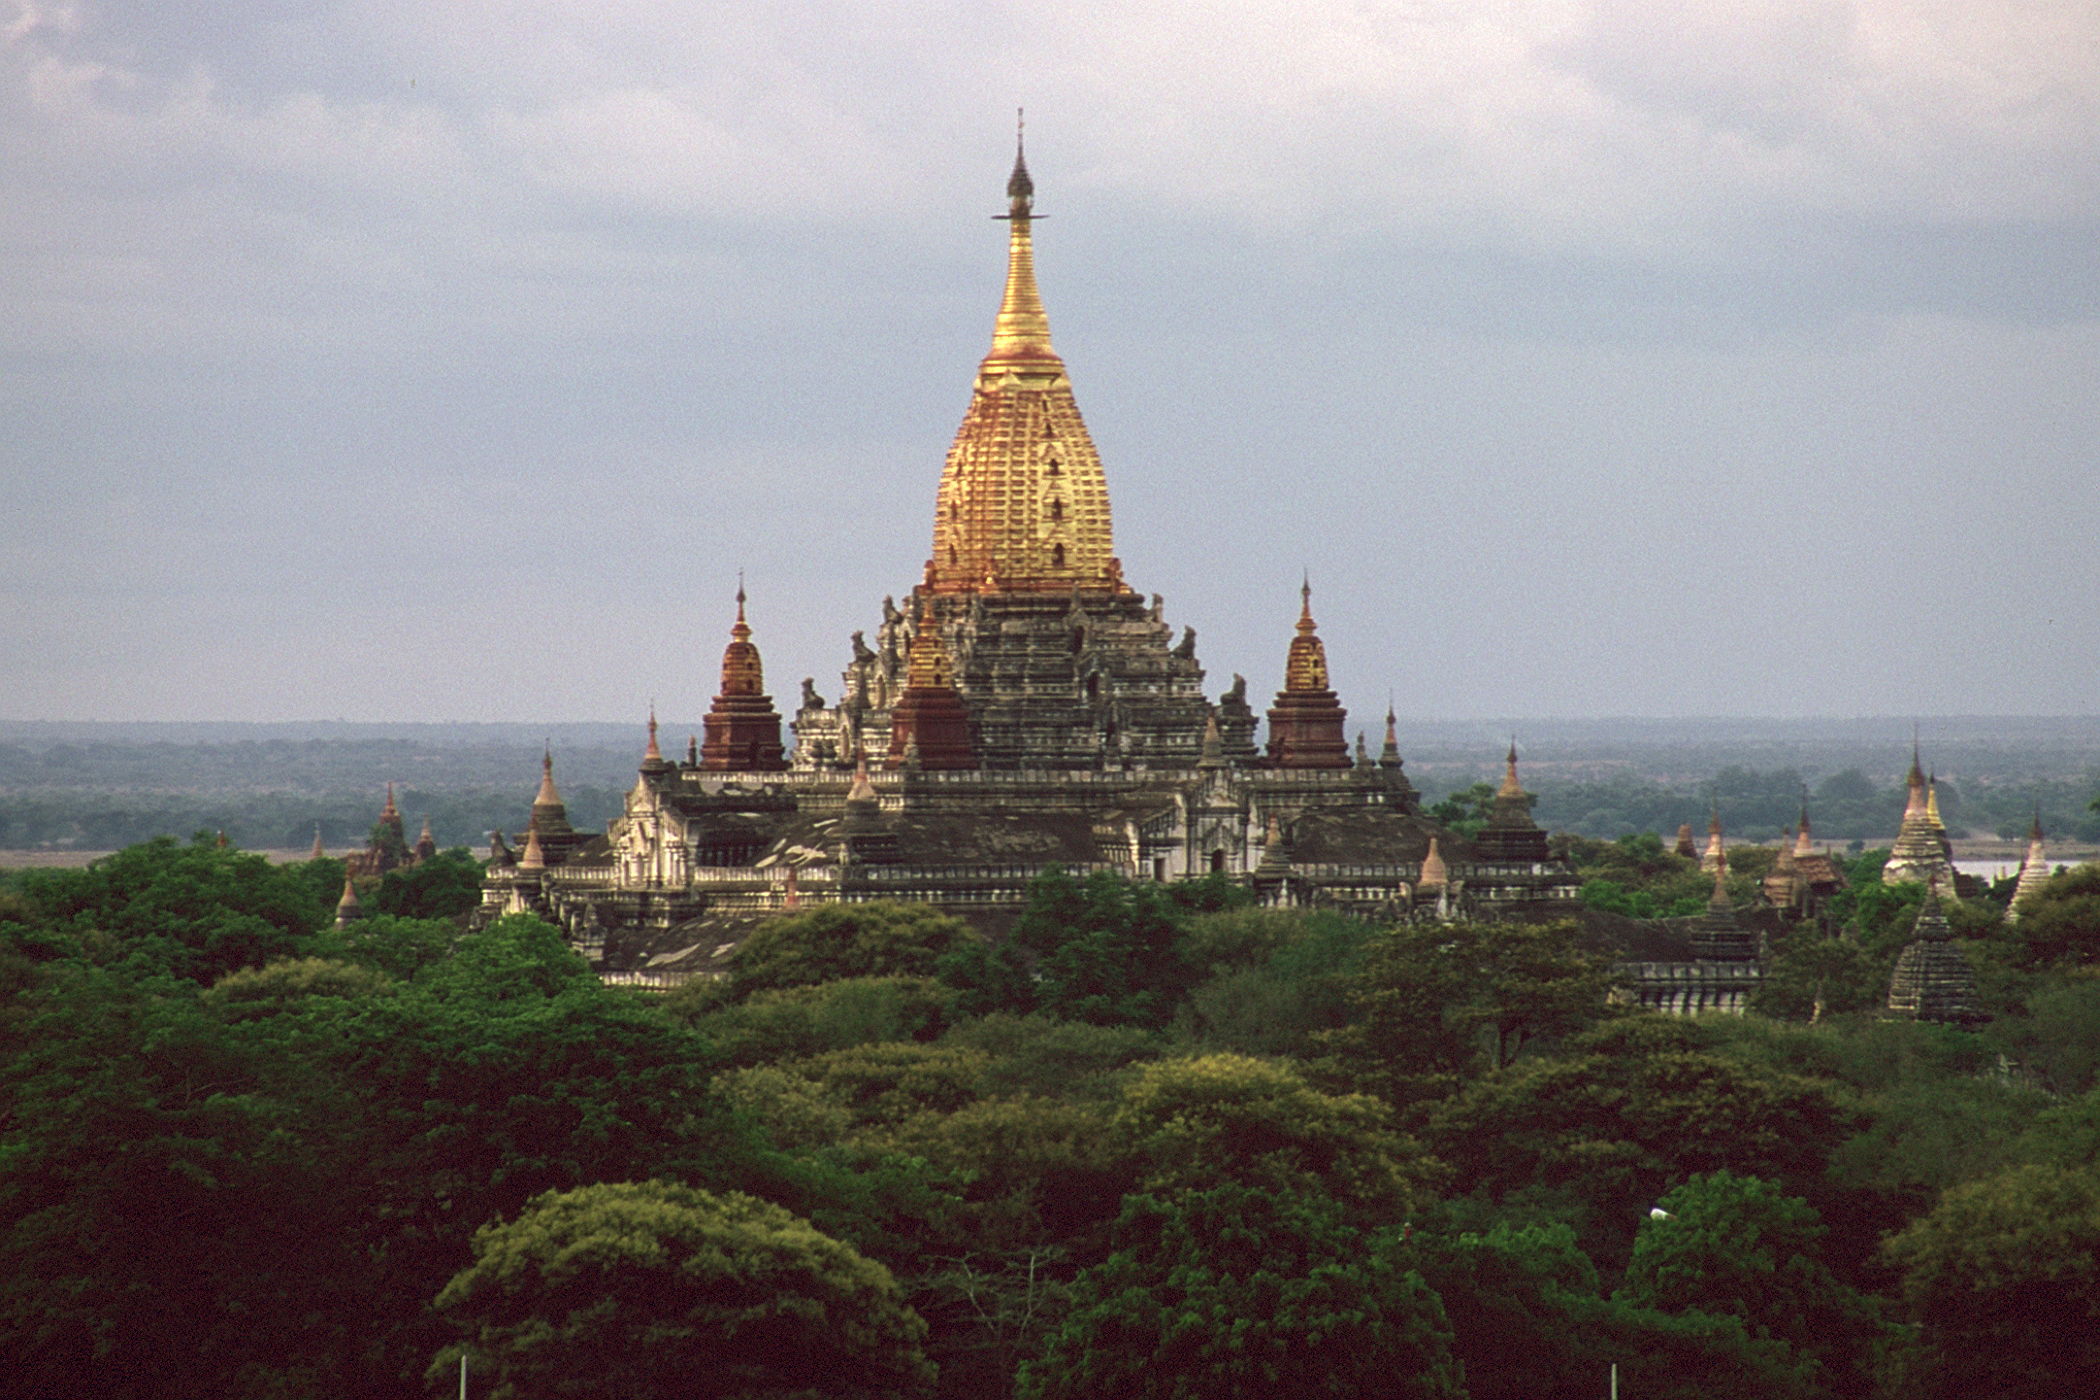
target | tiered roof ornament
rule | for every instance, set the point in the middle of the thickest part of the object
(1023, 502)
(2034, 869)
(1782, 883)
(348, 909)
(1920, 855)
(930, 728)
(1511, 834)
(549, 814)
(742, 729)
(1306, 724)
(1275, 852)
(1718, 935)
(1436, 874)
(1933, 981)
(1391, 766)
(1714, 856)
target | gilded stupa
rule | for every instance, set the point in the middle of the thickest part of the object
(1921, 854)
(2034, 870)
(1023, 502)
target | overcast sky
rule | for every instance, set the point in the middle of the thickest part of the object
(396, 360)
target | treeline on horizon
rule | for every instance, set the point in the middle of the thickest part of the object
(264, 804)
(1152, 1143)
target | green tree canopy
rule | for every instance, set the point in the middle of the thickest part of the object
(1211, 1119)
(1433, 1004)
(2004, 1276)
(653, 1289)
(443, 887)
(197, 910)
(2060, 923)
(1735, 1246)
(1632, 1108)
(1238, 1292)
(1106, 950)
(832, 941)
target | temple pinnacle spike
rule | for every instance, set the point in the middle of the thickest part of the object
(1019, 188)
(1510, 786)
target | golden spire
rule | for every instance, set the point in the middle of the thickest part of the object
(1510, 786)
(390, 810)
(348, 909)
(1914, 805)
(1306, 668)
(1932, 801)
(2034, 869)
(1719, 902)
(652, 754)
(1022, 331)
(742, 672)
(1023, 502)
(1435, 873)
(546, 797)
(535, 857)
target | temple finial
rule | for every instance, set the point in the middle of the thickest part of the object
(1510, 786)
(1020, 190)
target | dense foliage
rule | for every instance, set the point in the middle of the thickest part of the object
(1152, 1143)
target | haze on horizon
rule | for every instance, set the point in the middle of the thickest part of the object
(394, 361)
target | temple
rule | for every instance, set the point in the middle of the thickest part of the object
(1933, 980)
(2034, 870)
(1024, 706)
(1922, 854)
(387, 848)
